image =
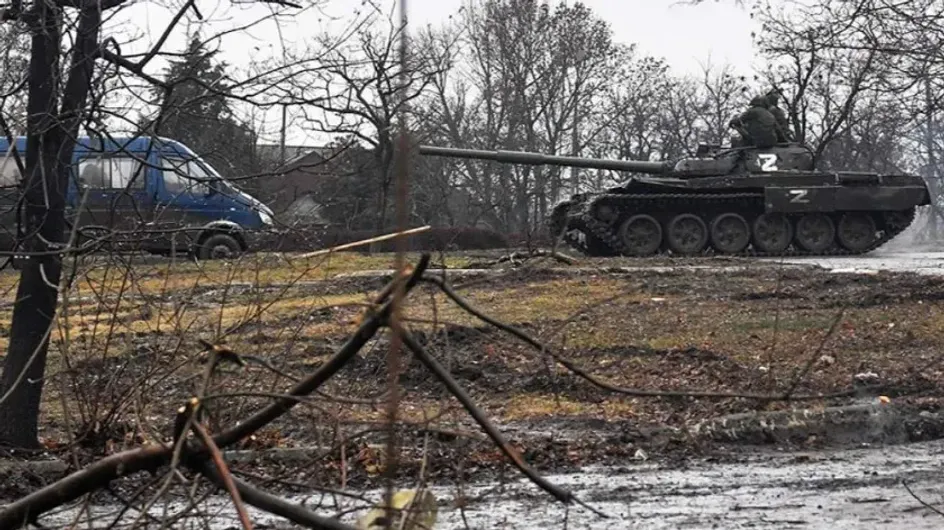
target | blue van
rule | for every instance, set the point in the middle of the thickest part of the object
(152, 194)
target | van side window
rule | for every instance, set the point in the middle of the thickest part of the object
(127, 171)
(112, 173)
(9, 172)
(178, 176)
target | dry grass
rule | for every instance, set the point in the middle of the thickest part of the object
(648, 330)
(536, 406)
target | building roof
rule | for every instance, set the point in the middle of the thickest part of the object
(274, 151)
(312, 157)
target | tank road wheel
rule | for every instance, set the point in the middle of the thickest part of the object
(641, 235)
(772, 232)
(856, 231)
(730, 233)
(686, 234)
(815, 232)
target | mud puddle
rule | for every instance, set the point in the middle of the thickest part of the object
(851, 488)
(924, 263)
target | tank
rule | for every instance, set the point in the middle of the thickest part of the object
(747, 201)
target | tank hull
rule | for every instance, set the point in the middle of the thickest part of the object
(770, 214)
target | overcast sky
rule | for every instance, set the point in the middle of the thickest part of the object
(687, 36)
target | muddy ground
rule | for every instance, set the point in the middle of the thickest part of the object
(126, 357)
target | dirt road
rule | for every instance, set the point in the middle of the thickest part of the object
(849, 489)
(861, 488)
(929, 263)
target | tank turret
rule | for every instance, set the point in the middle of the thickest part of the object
(726, 200)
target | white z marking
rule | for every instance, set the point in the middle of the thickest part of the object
(768, 162)
(799, 196)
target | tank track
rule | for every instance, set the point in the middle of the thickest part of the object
(647, 202)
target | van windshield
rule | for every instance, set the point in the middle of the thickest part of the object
(221, 184)
(185, 176)
(191, 174)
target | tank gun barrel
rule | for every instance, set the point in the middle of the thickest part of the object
(540, 159)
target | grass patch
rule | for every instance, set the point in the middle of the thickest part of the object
(536, 406)
(786, 322)
(599, 321)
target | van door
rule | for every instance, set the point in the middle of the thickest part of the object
(182, 201)
(119, 198)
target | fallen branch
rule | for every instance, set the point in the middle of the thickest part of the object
(516, 257)
(801, 374)
(295, 512)
(149, 458)
(363, 242)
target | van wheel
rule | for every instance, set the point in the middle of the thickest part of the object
(219, 246)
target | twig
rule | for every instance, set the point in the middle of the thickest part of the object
(294, 512)
(919, 499)
(363, 242)
(222, 473)
(327, 370)
(150, 457)
(402, 173)
(443, 375)
(580, 372)
(798, 378)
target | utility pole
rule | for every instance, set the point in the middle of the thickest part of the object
(575, 148)
(282, 140)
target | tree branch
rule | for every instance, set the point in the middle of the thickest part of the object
(292, 511)
(132, 67)
(580, 372)
(480, 417)
(148, 458)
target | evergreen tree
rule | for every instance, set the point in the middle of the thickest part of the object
(199, 114)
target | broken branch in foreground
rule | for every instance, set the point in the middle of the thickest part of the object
(151, 457)
(205, 457)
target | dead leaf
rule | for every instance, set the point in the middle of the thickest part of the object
(413, 512)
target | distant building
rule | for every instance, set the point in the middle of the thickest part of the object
(291, 188)
(270, 155)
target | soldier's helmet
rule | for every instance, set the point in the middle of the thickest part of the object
(759, 101)
(773, 96)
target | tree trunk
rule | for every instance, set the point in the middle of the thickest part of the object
(22, 380)
(48, 161)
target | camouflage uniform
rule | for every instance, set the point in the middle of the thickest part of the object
(784, 134)
(757, 125)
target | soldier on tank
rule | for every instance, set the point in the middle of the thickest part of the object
(757, 126)
(784, 134)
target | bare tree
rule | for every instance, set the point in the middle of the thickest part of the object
(14, 50)
(525, 77)
(822, 82)
(360, 90)
(58, 105)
